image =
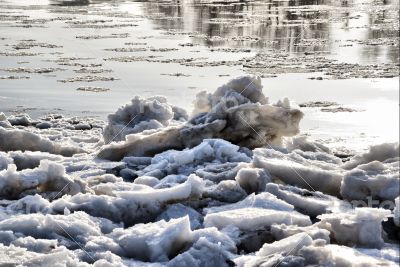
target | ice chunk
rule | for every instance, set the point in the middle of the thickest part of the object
(16, 256)
(49, 176)
(310, 170)
(380, 153)
(141, 115)
(20, 120)
(253, 180)
(131, 207)
(178, 210)
(263, 200)
(189, 160)
(308, 202)
(374, 179)
(334, 255)
(281, 231)
(5, 160)
(301, 142)
(68, 229)
(15, 139)
(250, 219)
(286, 246)
(157, 241)
(226, 191)
(362, 227)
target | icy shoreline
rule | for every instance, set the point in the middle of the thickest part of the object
(229, 184)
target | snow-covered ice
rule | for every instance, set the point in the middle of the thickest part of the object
(231, 184)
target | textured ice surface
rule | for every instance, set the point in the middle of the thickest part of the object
(224, 187)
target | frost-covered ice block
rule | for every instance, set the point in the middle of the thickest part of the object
(15, 139)
(157, 241)
(48, 177)
(377, 180)
(335, 255)
(250, 219)
(237, 112)
(361, 227)
(310, 203)
(316, 171)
